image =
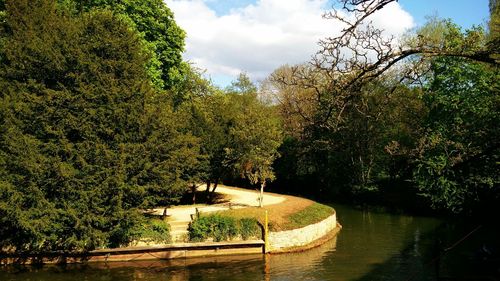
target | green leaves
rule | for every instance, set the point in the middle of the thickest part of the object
(162, 39)
(222, 228)
(85, 138)
(240, 134)
(456, 165)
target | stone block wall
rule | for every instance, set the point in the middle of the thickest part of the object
(301, 236)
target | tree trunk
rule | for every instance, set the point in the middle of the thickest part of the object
(208, 187)
(207, 191)
(193, 191)
(216, 182)
(164, 216)
(211, 197)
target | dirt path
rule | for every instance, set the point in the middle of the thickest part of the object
(180, 216)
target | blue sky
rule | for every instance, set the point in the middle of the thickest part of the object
(463, 12)
(227, 37)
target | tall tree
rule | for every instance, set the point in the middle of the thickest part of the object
(457, 157)
(240, 134)
(162, 38)
(255, 134)
(83, 132)
(355, 77)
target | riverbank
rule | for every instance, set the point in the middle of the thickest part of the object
(372, 246)
(157, 252)
(293, 224)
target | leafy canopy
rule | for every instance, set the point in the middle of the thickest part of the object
(85, 139)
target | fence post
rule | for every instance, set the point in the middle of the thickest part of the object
(266, 234)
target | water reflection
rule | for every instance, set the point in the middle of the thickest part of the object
(370, 247)
(372, 242)
(247, 267)
(301, 265)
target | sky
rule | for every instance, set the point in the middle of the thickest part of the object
(228, 37)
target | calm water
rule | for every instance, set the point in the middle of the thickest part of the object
(371, 246)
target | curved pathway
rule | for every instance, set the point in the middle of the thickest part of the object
(180, 216)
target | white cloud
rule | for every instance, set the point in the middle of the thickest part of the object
(260, 37)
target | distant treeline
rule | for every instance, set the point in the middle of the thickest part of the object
(411, 124)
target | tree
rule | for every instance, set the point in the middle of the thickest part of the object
(85, 139)
(297, 103)
(350, 99)
(161, 37)
(255, 135)
(210, 121)
(457, 156)
(155, 22)
(350, 157)
(240, 134)
(362, 52)
(494, 30)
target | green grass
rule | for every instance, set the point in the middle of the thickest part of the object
(310, 215)
(314, 213)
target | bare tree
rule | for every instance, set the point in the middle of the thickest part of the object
(362, 52)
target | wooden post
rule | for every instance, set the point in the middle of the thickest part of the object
(267, 267)
(266, 234)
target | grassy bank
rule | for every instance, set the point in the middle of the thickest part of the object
(291, 214)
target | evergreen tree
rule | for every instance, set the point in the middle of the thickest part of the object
(163, 38)
(85, 140)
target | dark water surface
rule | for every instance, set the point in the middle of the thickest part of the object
(371, 246)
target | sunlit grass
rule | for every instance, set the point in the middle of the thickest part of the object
(279, 220)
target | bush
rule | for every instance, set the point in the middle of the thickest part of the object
(199, 229)
(224, 228)
(221, 228)
(153, 230)
(248, 227)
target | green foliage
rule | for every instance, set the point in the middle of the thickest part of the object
(240, 134)
(222, 228)
(431, 122)
(153, 230)
(458, 153)
(248, 228)
(85, 140)
(217, 227)
(378, 125)
(255, 133)
(161, 36)
(494, 30)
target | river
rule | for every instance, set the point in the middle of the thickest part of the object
(371, 246)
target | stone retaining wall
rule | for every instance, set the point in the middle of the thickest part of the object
(281, 240)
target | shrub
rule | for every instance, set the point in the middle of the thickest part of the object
(248, 227)
(221, 228)
(199, 229)
(224, 228)
(153, 230)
